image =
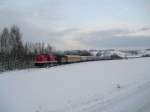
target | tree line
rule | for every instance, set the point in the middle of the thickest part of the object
(16, 54)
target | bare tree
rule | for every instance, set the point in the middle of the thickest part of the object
(16, 40)
(14, 53)
(5, 41)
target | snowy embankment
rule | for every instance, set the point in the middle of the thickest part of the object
(102, 86)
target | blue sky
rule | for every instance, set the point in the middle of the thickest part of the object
(80, 24)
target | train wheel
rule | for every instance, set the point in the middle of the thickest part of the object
(39, 64)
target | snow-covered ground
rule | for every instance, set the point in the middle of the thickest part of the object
(106, 54)
(100, 86)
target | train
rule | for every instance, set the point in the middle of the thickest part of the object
(56, 59)
(62, 58)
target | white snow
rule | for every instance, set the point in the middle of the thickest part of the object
(106, 54)
(100, 86)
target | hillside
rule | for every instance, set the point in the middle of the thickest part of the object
(100, 86)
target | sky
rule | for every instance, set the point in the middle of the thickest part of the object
(80, 24)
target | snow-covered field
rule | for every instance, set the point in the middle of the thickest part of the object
(102, 86)
(106, 54)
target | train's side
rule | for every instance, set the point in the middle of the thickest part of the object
(72, 58)
(84, 58)
(89, 58)
(68, 59)
(60, 58)
(45, 59)
(50, 59)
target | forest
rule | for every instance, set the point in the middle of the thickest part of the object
(17, 54)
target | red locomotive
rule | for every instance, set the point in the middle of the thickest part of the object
(45, 59)
(55, 58)
(60, 58)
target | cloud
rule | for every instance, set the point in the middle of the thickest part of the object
(44, 28)
(36, 23)
(71, 25)
(145, 31)
(2, 2)
(84, 38)
(117, 42)
(113, 38)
